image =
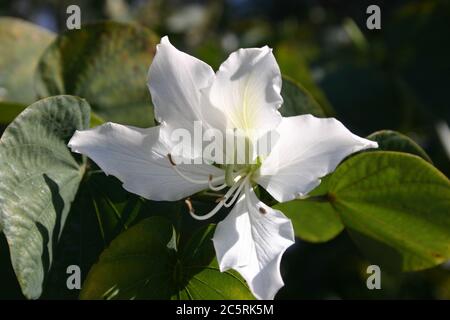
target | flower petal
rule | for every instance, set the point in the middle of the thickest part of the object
(308, 148)
(175, 79)
(139, 159)
(247, 91)
(252, 240)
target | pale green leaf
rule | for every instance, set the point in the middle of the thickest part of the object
(38, 182)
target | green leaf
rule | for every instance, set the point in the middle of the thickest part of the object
(395, 207)
(105, 63)
(297, 100)
(136, 265)
(22, 44)
(38, 182)
(9, 111)
(200, 267)
(394, 141)
(313, 218)
(144, 263)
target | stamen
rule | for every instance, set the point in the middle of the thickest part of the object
(236, 194)
(209, 214)
(189, 205)
(262, 210)
(185, 177)
(215, 188)
(219, 199)
(191, 180)
(233, 188)
(171, 160)
(232, 193)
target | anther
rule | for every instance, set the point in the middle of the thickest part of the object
(215, 188)
(219, 199)
(262, 210)
(189, 205)
(171, 160)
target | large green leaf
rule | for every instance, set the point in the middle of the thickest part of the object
(394, 141)
(313, 218)
(394, 205)
(201, 273)
(144, 263)
(297, 100)
(38, 181)
(22, 44)
(105, 63)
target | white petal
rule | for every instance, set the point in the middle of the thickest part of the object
(308, 148)
(175, 80)
(137, 158)
(252, 243)
(246, 92)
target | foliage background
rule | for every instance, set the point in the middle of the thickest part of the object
(396, 78)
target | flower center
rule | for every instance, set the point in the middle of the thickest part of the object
(246, 170)
(236, 177)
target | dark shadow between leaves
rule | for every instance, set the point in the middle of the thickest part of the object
(10, 288)
(58, 205)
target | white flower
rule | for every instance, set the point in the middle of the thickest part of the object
(243, 94)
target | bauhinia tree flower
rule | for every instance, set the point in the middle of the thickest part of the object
(244, 94)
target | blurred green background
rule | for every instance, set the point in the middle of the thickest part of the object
(395, 78)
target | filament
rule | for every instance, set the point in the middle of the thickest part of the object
(215, 188)
(232, 194)
(209, 214)
(239, 181)
(236, 194)
(209, 181)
